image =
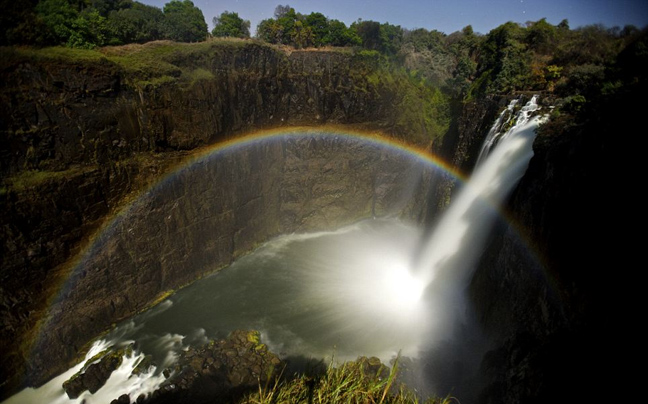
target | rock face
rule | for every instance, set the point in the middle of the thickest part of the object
(224, 370)
(544, 291)
(82, 138)
(212, 211)
(95, 139)
(55, 113)
(93, 377)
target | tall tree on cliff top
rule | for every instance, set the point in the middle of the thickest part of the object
(319, 27)
(184, 22)
(231, 25)
(139, 23)
(384, 38)
(339, 35)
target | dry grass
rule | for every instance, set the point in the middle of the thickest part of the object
(352, 382)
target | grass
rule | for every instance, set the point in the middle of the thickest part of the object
(57, 53)
(33, 178)
(151, 64)
(352, 382)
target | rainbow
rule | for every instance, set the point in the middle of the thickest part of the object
(368, 136)
(231, 145)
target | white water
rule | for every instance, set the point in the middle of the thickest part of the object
(121, 381)
(343, 293)
(447, 261)
(348, 293)
(495, 131)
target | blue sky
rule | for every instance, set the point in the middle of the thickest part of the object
(444, 15)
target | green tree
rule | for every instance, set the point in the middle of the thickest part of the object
(504, 60)
(340, 35)
(391, 38)
(564, 24)
(369, 34)
(301, 35)
(281, 11)
(319, 26)
(384, 38)
(20, 23)
(280, 30)
(105, 7)
(295, 29)
(464, 45)
(137, 24)
(57, 17)
(184, 22)
(269, 30)
(88, 30)
(287, 21)
(231, 25)
(541, 36)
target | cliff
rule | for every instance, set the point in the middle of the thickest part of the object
(551, 286)
(62, 107)
(84, 132)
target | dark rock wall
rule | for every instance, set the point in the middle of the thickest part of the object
(546, 291)
(216, 209)
(461, 146)
(546, 309)
(54, 114)
(82, 139)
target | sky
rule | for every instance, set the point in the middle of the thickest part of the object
(443, 15)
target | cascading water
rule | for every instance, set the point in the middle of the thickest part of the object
(447, 260)
(352, 292)
(496, 130)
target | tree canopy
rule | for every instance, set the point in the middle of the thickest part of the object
(91, 23)
(534, 56)
(301, 31)
(229, 24)
(184, 22)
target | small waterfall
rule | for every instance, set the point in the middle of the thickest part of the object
(456, 242)
(502, 120)
(500, 128)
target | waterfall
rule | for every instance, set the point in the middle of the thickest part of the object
(503, 122)
(353, 289)
(455, 244)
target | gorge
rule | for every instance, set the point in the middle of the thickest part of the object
(93, 239)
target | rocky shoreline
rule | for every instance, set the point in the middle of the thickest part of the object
(224, 368)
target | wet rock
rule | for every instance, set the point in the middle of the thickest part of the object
(220, 370)
(123, 399)
(372, 367)
(143, 365)
(94, 376)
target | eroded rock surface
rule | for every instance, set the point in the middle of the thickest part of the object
(82, 139)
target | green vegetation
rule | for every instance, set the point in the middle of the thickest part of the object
(94, 23)
(595, 96)
(421, 110)
(362, 381)
(295, 29)
(184, 22)
(231, 25)
(34, 178)
(535, 56)
(153, 63)
(385, 38)
(543, 57)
